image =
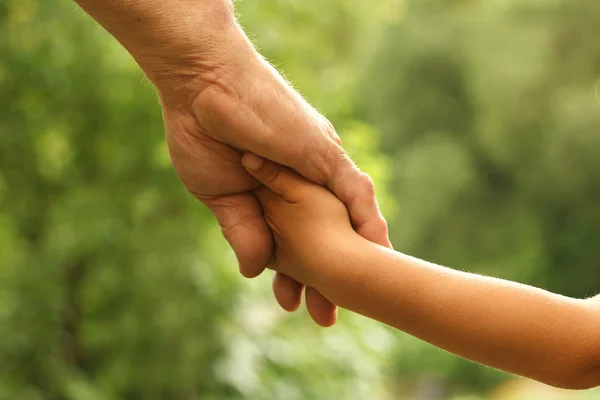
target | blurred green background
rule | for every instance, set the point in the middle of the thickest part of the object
(477, 119)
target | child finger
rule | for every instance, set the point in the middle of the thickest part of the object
(287, 291)
(322, 311)
(276, 177)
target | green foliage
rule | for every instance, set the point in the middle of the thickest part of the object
(476, 119)
(488, 111)
(114, 282)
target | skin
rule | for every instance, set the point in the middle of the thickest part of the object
(506, 325)
(220, 98)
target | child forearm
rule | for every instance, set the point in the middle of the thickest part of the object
(513, 327)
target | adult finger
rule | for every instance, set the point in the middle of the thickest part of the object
(243, 225)
(320, 158)
(356, 190)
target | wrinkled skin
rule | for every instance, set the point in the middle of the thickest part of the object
(220, 98)
(263, 114)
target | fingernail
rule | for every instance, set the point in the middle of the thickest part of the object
(252, 161)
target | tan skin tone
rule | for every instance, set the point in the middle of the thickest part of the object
(506, 325)
(219, 98)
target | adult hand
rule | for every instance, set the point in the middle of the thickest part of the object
(220, 98)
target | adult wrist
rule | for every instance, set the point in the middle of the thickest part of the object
(219, 58)
(186, 40)
(169, 39)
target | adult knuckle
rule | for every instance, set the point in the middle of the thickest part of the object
(380, 221)
(366, 185)
(330, 130)
(338, 162)
(324, 154)
(320, 164)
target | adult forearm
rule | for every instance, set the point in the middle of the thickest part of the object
(172, 37)
(506, 325)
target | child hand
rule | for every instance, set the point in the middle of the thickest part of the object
(310, 225)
